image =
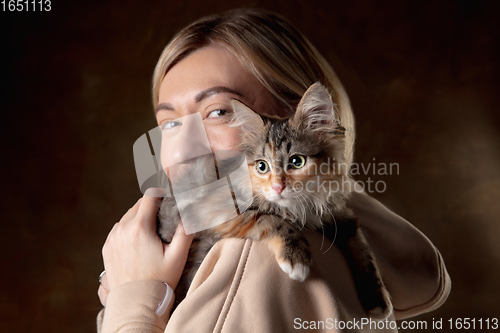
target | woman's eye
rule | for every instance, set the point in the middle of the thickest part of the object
(217, 113)
(297, 161)
(170, 124)
(262, 167)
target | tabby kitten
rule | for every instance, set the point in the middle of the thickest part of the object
(299, 179)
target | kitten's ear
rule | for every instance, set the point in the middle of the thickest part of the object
(316, 111)
(249, 121)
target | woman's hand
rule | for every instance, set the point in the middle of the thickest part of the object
(133, 251)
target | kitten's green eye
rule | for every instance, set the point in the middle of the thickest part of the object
(297, 161)
(262, 167)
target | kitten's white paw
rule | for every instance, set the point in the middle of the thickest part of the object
(298, 272)
(286, 267)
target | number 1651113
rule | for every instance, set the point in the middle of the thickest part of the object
(26, 5)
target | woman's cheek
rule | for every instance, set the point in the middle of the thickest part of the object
(223, 138)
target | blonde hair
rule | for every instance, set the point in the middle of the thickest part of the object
(270, 48)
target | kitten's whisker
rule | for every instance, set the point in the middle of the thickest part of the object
(335, 237)
(305, 196)
(237, 209)
(323, 236)
(319, 206)
(244, 204)
(303, 209)
(336, 230)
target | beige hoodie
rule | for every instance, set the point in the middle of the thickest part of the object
(240, 287)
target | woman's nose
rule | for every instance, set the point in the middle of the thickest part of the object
(187, 141)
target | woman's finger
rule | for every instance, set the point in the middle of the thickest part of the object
(148, 209)
(180, 242)
(132, 212)
(176, 254)
(103, 295)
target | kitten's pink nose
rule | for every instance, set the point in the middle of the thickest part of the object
(278, 188)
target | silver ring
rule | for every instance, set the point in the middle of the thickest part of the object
(101, 275)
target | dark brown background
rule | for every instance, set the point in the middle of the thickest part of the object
(422, 77)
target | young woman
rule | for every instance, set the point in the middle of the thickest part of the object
(261, 60)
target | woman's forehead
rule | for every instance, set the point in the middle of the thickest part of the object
(209, 67)
(205, 68)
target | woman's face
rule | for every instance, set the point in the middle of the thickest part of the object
(203, 84)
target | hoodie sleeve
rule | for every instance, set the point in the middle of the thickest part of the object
(412, 268)
(132, 308)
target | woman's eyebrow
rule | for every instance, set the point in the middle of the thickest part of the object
(212, 91)
(164, 106)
